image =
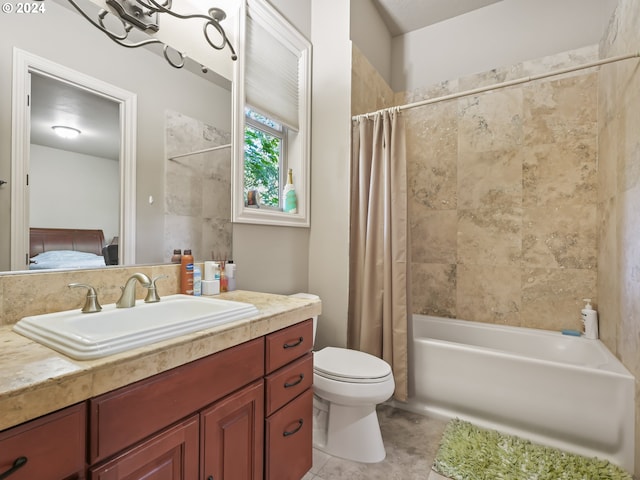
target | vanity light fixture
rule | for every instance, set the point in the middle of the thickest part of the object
(144, 15)
(66, 132)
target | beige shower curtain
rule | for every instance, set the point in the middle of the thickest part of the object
(379, 242)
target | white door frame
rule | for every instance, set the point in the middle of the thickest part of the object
(25, 63)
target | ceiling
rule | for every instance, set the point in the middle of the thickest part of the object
(403, 16)
(54, 102)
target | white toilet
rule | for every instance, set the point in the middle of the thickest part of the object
(348, 385)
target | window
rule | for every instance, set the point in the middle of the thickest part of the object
(264, 160)
(272, 99)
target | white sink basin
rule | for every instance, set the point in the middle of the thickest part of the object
(85, 336)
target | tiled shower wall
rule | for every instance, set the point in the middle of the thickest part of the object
(503, 195)
(197, 189)
(503, 199)
(619, 195)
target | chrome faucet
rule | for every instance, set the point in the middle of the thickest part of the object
(128, 297)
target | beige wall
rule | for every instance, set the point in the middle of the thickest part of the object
(502, 197)
(619, 196)
(369, 90)
(330, 146)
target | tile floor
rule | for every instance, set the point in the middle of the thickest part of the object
(411, 441)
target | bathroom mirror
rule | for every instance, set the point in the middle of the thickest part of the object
(178, 111)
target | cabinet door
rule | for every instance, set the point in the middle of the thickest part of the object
(289, 452)
(169, 455)
(50, 447)
(231, 437)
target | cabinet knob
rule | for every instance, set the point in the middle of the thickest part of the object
(210, 477)
(17, 463)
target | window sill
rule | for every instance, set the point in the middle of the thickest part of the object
(267, 216)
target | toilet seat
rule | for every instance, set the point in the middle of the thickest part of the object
(350, 366)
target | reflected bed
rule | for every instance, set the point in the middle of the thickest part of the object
(65, 248)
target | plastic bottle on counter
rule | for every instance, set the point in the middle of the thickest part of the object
(231, 276)
(177, 256)
(186, 273)
(197, 281)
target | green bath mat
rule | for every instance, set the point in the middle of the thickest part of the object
(468, 452)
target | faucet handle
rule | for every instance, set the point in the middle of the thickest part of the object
(91, 304)
(152, 293)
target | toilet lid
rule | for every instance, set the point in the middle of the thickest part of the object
(342, 363)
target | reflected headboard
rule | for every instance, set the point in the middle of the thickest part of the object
(47, 239)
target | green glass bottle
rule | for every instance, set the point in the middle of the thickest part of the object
(289, 193)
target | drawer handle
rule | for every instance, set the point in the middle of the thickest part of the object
(297, 382)
(291, 345)
(17, 463)
(291, 432)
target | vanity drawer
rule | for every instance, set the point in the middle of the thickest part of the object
(54, 446)
(288, 382)
(289, 441)
(286, 345)
(122, 417)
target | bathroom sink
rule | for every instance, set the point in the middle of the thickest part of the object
(85, 336)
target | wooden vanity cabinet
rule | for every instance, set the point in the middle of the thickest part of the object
(53, 447)
(125, 416)
(289, 402)
(206, 420)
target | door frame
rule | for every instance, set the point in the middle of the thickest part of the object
(25, 63)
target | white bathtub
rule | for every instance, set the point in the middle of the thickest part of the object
(563, 391)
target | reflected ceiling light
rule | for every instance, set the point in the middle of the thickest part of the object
(66, 132)
(144, 14)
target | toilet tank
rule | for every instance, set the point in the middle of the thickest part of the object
(310, 296)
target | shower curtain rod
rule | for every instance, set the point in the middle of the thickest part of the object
(508, 83)
(200, 151)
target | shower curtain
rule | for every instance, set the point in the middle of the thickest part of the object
(379, 242)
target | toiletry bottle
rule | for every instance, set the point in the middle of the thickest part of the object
(177, 256)
(186, 273)
(590, 320)
(289, 193)
(223, 278)
(197, 281)
(231, 276)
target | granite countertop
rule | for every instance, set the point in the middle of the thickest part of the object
(35, 380)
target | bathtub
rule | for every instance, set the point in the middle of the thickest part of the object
(567, 392)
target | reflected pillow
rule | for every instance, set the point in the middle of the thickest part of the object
(65, 259)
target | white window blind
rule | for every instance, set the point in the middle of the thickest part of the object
(271, 75)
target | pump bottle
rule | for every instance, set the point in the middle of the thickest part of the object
(590, 320)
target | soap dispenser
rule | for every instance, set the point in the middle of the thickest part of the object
(590, 320)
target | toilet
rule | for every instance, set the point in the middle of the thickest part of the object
(348, 385)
